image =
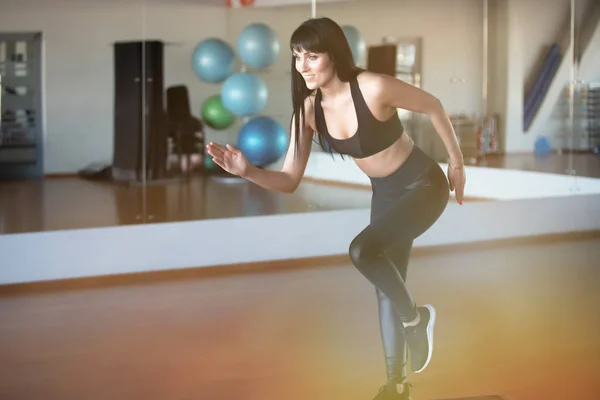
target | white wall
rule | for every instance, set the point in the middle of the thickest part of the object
(589, 68)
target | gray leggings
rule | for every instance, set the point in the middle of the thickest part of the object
(404, 205)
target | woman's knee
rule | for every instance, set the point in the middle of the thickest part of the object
(362, 250)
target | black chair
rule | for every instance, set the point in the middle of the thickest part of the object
(185, 130)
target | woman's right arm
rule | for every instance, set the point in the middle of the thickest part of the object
(288, 179)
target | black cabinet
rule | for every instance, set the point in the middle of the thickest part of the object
(140, 134)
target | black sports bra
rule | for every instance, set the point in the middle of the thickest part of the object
(372, 135)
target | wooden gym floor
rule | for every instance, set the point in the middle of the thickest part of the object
(74, 203)
(519, 320)
(582, 164)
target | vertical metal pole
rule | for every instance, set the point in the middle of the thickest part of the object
(314, 9)
(144, 113)
(484, 83)
(484, 90)
(571, 123)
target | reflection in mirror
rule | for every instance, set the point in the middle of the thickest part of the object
(558, 119)
(579, 102)
(57, 109)
(587, 90)
(109, 119)
(548, 97)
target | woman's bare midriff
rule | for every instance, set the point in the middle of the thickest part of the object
(387, 161)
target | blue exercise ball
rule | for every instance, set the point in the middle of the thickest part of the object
(263, 141)
(213, 60)
(356, 41)
(244, 94)
(542, 146)
(258, 45)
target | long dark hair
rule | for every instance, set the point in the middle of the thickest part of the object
(318, 35)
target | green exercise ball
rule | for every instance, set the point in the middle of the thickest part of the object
(209, 164)
(215, 114)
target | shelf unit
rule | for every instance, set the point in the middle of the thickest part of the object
(21, 135)
(586, 118)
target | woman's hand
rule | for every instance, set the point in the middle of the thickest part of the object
(457, 178)
(229, 158)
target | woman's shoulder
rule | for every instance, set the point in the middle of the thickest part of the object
(372, 81)
(376, 87)
(309, 110)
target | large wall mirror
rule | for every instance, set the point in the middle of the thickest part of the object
(107, 106)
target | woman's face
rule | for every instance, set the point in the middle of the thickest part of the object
(316, 68)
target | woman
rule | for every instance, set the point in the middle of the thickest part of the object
(354, 112)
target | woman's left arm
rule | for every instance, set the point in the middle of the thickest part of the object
(395, 93)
